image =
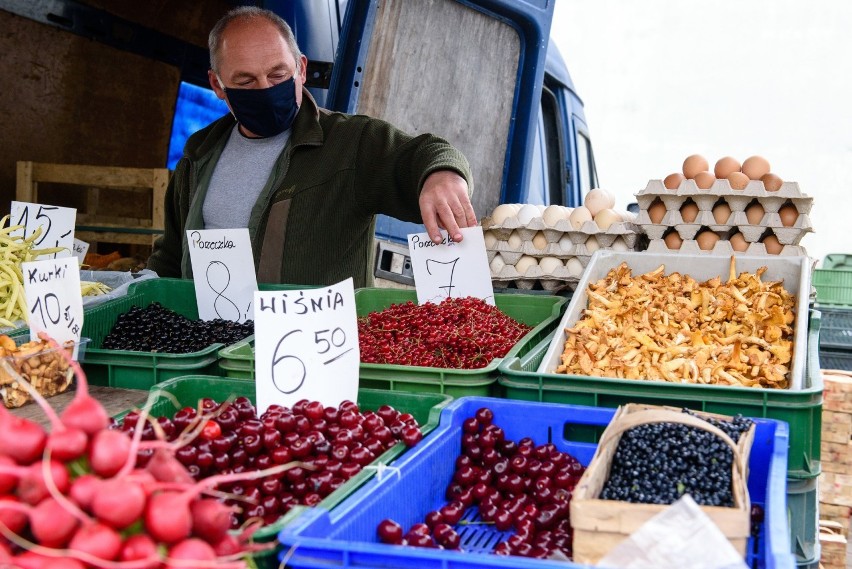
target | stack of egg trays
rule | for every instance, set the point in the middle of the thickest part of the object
(559, 279)
(738, 201)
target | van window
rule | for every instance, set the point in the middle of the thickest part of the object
(588, 176)
(547, 173)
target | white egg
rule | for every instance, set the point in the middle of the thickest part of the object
(619, 245)
(501, 213)
(517, 207)
(565, 243)
(552, 215)
(525, 263)
(598, 199)
(539, 241)
(490, 240)
(527, 214)
(549, 265)
(575, 267)
(497, 264)
(541, 208)
(515, 241)
(579, 216)
(606, 217)
(592, 244)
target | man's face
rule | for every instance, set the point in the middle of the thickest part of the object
(253, 55)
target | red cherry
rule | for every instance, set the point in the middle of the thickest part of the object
(389, 532)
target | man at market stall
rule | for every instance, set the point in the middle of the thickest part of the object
(307, 182)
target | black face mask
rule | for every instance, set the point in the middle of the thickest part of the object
(265, 112)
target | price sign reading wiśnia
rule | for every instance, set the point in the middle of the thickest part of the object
(53, 224)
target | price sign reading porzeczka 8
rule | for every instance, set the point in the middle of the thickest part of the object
(306, 345)
(54, 304)
(55, 226)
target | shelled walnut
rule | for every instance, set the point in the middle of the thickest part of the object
(36, 362)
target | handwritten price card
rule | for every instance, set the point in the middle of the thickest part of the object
(54, 304)
(223, 270)
(55, 225)
(450, 269)
(79, 249)
(306, 345)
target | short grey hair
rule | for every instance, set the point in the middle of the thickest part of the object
(248, 13)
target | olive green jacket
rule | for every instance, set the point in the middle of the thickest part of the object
(313, 223)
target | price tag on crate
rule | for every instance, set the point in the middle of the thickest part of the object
(223, 272)
(56, 223)
(80, 248)
(450, 269)
(54, 304)
(306, 345)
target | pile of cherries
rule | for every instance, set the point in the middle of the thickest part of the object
(517, 487)
(458, 333)
(335, 443)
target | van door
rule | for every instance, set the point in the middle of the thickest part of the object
(467, 70)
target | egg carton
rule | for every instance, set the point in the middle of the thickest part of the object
(629, 231)
(548, 284)
(751, 233)
(510, 272)
(511, 254)
(723, 247)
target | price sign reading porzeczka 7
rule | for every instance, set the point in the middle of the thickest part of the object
(306, 346)
(54, 304)
(450, 268)
(54, 225)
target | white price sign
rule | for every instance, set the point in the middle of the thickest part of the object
(223, 271)
(54, 304)
(56, 223)
(450, 269)
(80, 248)
(306, 345)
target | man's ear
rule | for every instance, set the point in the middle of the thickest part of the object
(215, 85)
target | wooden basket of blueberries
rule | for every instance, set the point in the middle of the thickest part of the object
(647, 458)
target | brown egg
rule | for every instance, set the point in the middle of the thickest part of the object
(689, 211)
(738, 242)
(657, 211)
(754, 213)
(788, 214)
(773, 246)
(738, 180)
(755, 167)
(771, 182)
(695, 164)
(726, 165)
(672, 181)
(704, 180)
(673, 241)
(706, 240)
(721, 212)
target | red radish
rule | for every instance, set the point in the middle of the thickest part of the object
(8, 481)
(12, 515)
(140, 547)
(211, 519)
(31, 485)
(23, 440)
(84, 412)
(192, 549)
(98, 540)
(228, 545)
(167, 516)
(118, 503)
(51, 524)
(108, 452)
(166, 468)
(32, 560)
(83, 490)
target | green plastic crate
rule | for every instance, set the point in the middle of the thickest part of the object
(837, 261)
(542, 312)
(143, 370)
(426, 408)
(801, 409)
(803, 519)
(833, 286)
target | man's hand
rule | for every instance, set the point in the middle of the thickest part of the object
(444, 203)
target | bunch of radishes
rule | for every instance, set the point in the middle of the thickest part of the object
(72, 497)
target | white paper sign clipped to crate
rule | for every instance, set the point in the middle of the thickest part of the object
(56, 223)
(54, 304)
(223, 271)
(79, 249)
(451, 268)
(306, 345)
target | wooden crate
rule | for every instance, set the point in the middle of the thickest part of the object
(600, 525)
(97, 183)
(832, 540)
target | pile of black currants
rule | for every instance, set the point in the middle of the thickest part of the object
(659, 462)
(158, 329)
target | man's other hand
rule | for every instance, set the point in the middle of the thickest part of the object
(444, 204)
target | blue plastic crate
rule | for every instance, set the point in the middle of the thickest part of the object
(346, 536)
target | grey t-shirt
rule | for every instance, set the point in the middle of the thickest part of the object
(240, 174)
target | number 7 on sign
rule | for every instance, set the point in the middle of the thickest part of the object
(446, 268)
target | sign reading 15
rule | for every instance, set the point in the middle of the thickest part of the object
(42, 216)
